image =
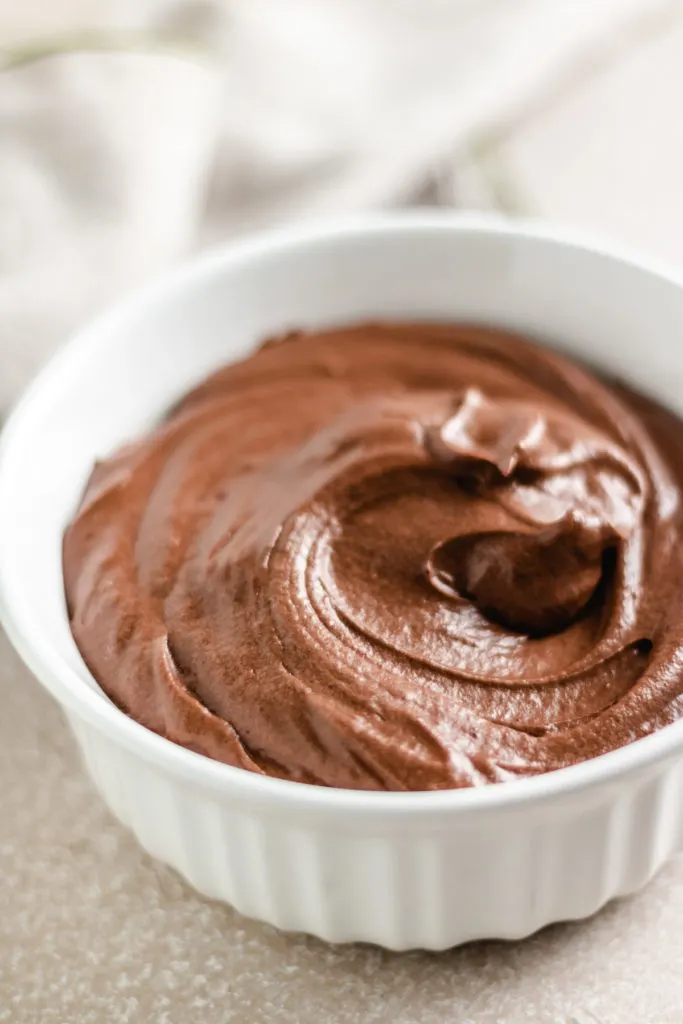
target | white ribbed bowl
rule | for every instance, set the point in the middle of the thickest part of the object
(399, 869)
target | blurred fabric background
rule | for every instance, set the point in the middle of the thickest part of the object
(134, 132)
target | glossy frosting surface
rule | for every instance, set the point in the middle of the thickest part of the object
(387, 556)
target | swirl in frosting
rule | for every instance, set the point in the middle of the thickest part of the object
(401, 557)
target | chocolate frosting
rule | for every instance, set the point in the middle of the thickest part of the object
(397, 557)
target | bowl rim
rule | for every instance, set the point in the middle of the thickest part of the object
(93, 707)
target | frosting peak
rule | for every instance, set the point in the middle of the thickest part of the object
(570, 496)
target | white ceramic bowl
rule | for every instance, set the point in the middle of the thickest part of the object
(399, 869)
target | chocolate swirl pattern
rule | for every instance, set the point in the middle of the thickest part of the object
(398, 557)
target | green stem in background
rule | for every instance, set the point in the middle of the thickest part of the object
(94, 41)
(508, 195)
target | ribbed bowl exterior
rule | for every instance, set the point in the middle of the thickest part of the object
(400, 870)
(502, 874)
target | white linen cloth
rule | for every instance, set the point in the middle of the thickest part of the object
(114, 163)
